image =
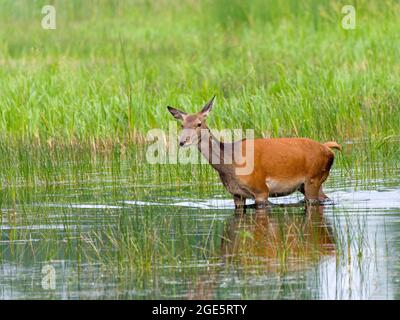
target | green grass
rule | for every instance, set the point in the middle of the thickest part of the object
(76, 104)
(284, 68)
(161, 251)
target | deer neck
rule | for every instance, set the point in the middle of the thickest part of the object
(212, 149)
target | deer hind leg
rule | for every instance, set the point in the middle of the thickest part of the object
(312, 189)
(321, 195)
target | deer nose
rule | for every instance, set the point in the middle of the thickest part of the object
(183, 141)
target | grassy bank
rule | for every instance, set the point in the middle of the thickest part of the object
(284, 68)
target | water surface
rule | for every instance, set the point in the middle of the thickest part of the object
(109, 235)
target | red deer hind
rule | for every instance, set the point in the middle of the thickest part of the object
(280, 166)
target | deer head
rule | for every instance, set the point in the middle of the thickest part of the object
(192, 124)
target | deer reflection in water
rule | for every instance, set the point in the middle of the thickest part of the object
(276, 240)
(280, 242)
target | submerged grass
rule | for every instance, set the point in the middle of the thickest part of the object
(74, 206)
(76, 104)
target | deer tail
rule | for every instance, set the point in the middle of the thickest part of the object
(333, 145)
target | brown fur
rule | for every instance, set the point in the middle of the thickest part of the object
(289, 164)
(281, 166)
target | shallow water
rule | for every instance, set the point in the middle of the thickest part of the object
(100, 238)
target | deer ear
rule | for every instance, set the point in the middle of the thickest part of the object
(207, 107)
(179, 115)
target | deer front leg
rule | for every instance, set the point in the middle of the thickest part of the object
(261, 197)
(240, 202)
(261, 201)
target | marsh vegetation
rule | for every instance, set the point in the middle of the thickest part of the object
(77, 193)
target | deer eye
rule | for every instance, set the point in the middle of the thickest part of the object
(199, 124)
